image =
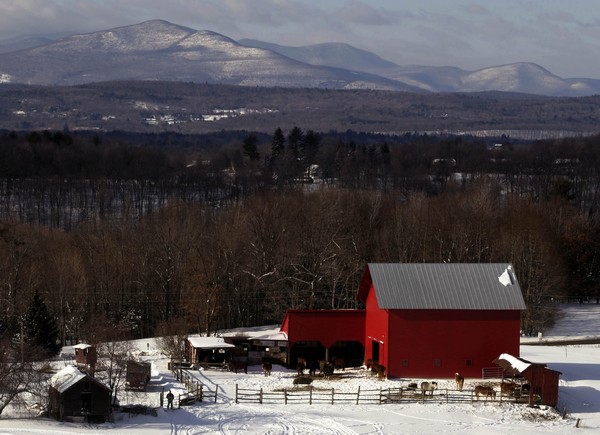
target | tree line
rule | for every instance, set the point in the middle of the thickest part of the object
(268, 240)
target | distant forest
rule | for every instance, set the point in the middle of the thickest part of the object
(182, 234)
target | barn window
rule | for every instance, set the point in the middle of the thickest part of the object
(437, 362)
(469, 363)
(404, 363)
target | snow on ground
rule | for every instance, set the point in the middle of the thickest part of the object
(579, 399)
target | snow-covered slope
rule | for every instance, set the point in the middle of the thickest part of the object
(159, 50)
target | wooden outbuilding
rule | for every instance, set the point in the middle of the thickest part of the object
(432, 320)
(208, 350)
(76, 396)
(86, 356)
(138, 375)
(325, 334)
(543, 381)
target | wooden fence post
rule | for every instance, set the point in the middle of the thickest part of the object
(332, 396)
(358, 395)
(285, 396)
(260, 396)
(236, 394)
(310, 390)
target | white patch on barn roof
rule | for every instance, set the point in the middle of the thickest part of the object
(66, 378)
(82, 346)
(506, 278)
(279, 336)
(200, 342)
(516, 363)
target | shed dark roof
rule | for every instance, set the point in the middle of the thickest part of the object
(462, 286)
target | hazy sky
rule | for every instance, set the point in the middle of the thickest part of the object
(562, 36)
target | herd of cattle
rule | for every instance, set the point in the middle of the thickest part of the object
(327, 369)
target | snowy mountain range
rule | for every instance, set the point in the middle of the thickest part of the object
(159, 50)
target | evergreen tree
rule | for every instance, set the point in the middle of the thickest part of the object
(277, 145)
(296, 143)
(40, 327)
(250, 148)
(311, 145)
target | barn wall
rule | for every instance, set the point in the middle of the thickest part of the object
(326, 326)
(438, 343)
(376, 329)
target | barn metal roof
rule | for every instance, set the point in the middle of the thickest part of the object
(464, 286)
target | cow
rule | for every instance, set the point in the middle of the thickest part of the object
(378, 370)
(428, 386)
(485, 390)
(300, 366)
(509, 389)
(339, 363)
(327, 369)
(267, 367)
(234, 366)
(460, 381)
(312, 368)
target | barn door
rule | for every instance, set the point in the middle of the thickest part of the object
(375, 350)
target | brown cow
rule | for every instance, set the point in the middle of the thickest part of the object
(234, 366)
(508, 388)
(300, 367)
(339, 363)
(378, 370)
(486, 391)
(460, 381)
(267, 367)
(327, 369)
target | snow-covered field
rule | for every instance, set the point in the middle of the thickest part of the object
(579, 400)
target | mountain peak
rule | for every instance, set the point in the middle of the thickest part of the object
(160, 50)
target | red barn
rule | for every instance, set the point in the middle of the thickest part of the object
(432, 320)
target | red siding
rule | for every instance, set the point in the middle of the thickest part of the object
(325, 326)
(544, 383)
(376, 329)
(438, 343)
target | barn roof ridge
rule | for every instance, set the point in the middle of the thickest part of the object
(462, 286)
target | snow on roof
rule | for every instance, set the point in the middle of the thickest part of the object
(66, 378)
(279, 336)
(515, 363)
(200, 342)
(82, 346)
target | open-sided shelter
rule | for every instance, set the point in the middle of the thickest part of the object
(208, 350)
(543, 381)
(325, 334)
(432, 320)
(76, 396)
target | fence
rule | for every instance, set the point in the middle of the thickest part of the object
(313, 395)
(196, 390)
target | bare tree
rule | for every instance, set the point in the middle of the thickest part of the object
(19, 378)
